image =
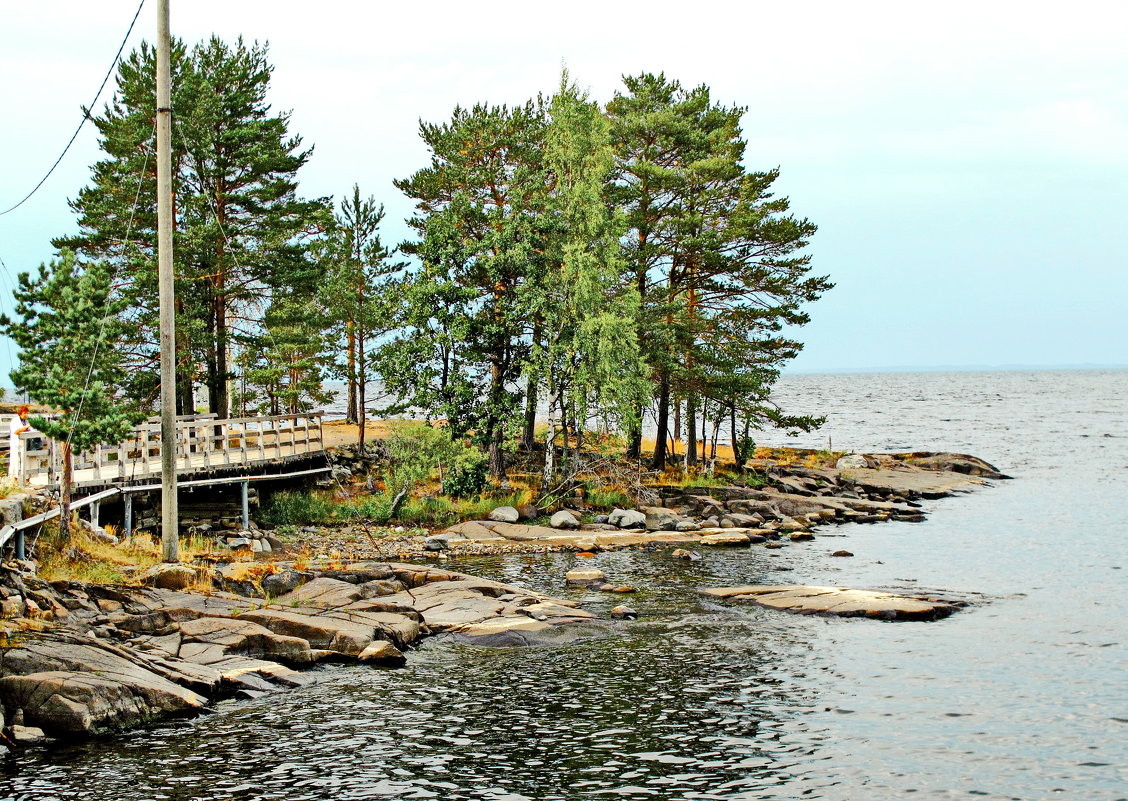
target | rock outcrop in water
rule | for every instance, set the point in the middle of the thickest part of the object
(99, 657)
(840, 601)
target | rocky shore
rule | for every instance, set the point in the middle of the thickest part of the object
(78, 659)
(787, 508)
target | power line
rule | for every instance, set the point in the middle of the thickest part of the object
(86, 114)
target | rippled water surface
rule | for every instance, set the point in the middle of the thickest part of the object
(1022, 696)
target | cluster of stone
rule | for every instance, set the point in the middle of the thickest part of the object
(109, 656)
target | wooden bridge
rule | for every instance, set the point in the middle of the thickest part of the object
(205, 446)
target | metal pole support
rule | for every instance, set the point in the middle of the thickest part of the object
(244, 488)
(128, 501)
(21, 552)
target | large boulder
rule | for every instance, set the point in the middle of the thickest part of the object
(564, 519)
(658, 518)
(852, 461)
(505, 514)
(169, 576)
(66, 687)
(626, 518)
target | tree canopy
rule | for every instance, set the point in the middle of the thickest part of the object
(619, 266)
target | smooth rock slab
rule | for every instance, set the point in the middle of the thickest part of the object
(585, 576)
(838, 601)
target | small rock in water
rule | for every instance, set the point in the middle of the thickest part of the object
(802, 536)
(625, 588)
(842, 553)
(585, 576)
(682, 553)
(381, 652)
(623, 612)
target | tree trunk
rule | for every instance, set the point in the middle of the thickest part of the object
(663, 421)
(65, 493)
(578, 431)
(351, 375)
(634, 446)
(494, 427)
(528, 434)
(675, 434)
(736, 452)
(691, 432)
(713, 449)
(549, 445)
(361, 391)
(704, 422)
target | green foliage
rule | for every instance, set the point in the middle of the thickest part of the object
(298, 508)
(69, 334)
(416, 449)
(361, 295)
(464, 480)
(480, 223)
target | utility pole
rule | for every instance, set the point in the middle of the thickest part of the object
(170, 518)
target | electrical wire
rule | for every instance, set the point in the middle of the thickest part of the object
(85, 115)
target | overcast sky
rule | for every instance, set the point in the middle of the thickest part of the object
(966, 162)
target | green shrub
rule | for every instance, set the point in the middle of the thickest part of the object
(290, 508)
(466, 479)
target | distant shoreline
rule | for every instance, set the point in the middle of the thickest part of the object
(1000, 368)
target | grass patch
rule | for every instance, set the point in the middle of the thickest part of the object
(609, 498)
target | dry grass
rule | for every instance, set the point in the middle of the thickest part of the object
(83, 557)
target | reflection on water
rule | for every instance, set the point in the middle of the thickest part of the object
(1021, 696)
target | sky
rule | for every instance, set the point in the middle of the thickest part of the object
(966, 162)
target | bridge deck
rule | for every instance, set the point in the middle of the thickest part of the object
(205, 445)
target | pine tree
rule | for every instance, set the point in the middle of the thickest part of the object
(479, 208)
(714, 255)
(241, 230)
(68, 331)
(361, 295)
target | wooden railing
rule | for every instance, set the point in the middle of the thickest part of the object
(203, 443)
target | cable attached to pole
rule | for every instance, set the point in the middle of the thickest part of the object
(85, 115)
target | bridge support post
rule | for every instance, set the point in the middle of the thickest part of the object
(21, 548)
(244, 489)
(95, 513)
(128, 502)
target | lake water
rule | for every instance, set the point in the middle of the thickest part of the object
(1022, 696)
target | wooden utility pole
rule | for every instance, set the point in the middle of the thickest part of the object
(170, 522)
